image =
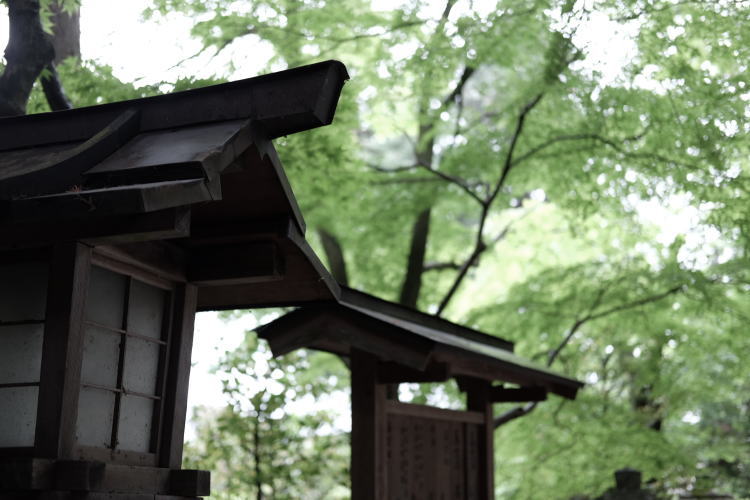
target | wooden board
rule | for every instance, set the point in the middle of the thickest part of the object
(161, 225)
(429, 458)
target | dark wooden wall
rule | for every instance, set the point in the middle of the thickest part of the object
(432, 458)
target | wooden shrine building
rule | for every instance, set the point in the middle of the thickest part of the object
(117, 223)
(407, 451)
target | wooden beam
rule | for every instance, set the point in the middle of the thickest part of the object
(107, 202)
(304, 280)
(516, 371)
(78, 475)
(501, 394)
(62, 350)
(235, 264)
(394, 373)
(161, 258)
(178, 377)
(478, 400)
(164, 224)
(193, 483)
(24, 474)
(441, 414)
(218, 231)
(25, 478)
(368, 468)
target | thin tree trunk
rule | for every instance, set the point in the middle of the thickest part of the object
(256, 457)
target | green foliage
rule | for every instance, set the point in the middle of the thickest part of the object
(255, 442)
(651, 318)
(87, 84)
(68, 6)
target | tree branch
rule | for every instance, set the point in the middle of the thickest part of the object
(639, 302)
(407, 180)
(53, 89)
(508, 164)
(479, 245)
(455, 94)
(440, 266)
(394, 170)
(578, 323)
(456, 181)
(335, 41)
(520, 411)
(447, 10)
(652, 9)
(604, 140)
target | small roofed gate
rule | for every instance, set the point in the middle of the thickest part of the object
(417, 451)
(407, 451)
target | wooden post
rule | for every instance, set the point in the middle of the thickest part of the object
(368, 469)
(62, 350)
(478, 398)
(178, 376)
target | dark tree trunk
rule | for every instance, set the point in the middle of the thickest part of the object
(66, 31)
(335, 256)
(415, 266)
(28, 52)
(420, 230)
(66, 39)
(412, 284)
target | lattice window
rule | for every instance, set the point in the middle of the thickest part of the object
(125, 347)
(23, 298)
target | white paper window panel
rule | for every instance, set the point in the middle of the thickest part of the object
(105, 301)
(146, 309)
(23, 291)
(101, 355)
(141, 366)
(134, 429)
(20, 353)
(18, 409)
(96, 409)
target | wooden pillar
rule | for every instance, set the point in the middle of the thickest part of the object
(178, 376)
(62, 350)
(478, 398)
(368, 470)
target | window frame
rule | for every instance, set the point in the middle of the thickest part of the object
(112, 453)
(39, 255)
